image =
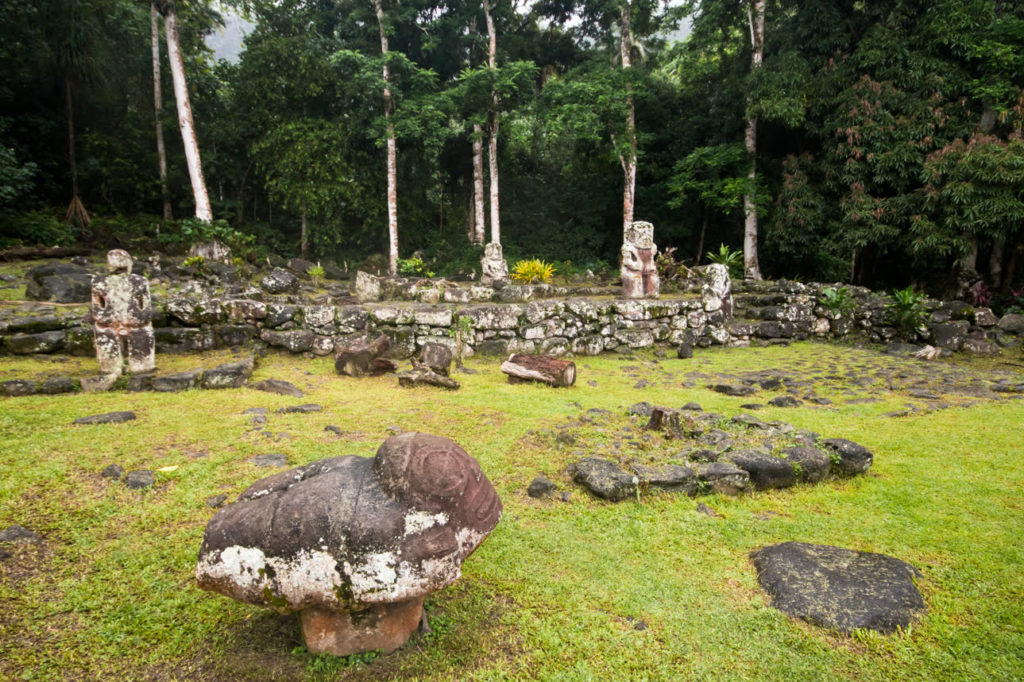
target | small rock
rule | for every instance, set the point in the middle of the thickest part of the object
(724, 478)
(642, 409)
(114, 471)
(277, 386)
(730, 389)
(784, 401)
(707, 511)
(215, 501)
(139, 479)
(684, 351)
(336, 430)
(106, 418)
(272, 460)
(262, 411)
(16, 533)
(643, 383)
(752, 406)
(694, 407)
(301, 409)
(541, 487)
(604, 479)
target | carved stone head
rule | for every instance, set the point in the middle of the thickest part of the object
(641, 235)
(119, 262)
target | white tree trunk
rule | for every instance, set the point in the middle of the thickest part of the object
(492, 145)
(751, 268)
(628, 159)
(479, 221)
(392, 148)
(188, 131)
(158, 108)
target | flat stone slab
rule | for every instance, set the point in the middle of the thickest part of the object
(301, 409)
(839, 588)
(272, 460)
(106, 418)
(278, 386)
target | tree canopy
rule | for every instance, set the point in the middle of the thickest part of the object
(889, 135)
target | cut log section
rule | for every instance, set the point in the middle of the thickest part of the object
(361, 357)
(546, 369)
(670, 421)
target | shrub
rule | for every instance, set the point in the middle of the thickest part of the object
(37, 227)
(194, 231)
(413, 266)
(837, 301)
(729, 258)
(532, 271)
(906, 312)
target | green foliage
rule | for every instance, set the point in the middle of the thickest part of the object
(194, 262)
(16, 179)
(414, 266)
(906, 312)
(729, 258)
(315, 271)
(837, 300)
(533, 271)
(193, 231)
(36, 227)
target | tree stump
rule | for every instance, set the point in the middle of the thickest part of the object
(546, 369)
(668, 420)
(361, 357)
(422, 375)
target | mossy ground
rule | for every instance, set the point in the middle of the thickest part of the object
(561, 590)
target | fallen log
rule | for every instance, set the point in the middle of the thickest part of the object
(543, 368)
(361, 357)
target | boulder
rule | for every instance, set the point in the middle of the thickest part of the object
(766, 471)
(353, 544)
(604, 479)
(810, 464)
(437, 357)
(280, 281)
(851, 458)
(1012, 323)
(28, 344)
(671, 477)
(723, 478)
(296, 340)
(839, 588)
(59, 282)
(228, 375)
(180, 381)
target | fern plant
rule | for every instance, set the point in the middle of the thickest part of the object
(532, 272)
(906, 312)
(837, 301)
(729, 258)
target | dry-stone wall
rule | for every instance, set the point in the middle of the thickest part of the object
(580, 320)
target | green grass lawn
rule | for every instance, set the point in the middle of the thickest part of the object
(559, 589)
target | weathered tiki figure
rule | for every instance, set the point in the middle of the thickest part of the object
(493, 266)
(121, 312)
(639, 272)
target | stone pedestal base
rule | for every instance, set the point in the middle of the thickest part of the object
(385, 628)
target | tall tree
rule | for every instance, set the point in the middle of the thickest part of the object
(751, 268)
(627, 157)
(169, 11)
(392, 145)
(494, 119)
(158, 108)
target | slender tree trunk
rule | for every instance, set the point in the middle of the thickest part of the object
(629, 159)
(751, 268)
(970, 259)
(72, 161)
(700, 242)
(392, 148)
(1011, 267)
(304, 235)
(494, 121)
(995, 263)
(188, 131)
(470, 219)
(479, 220)
(240, 197)
(158, 108)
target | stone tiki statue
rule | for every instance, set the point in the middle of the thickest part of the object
(493, 266)
(121, 311)
(639, 272)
